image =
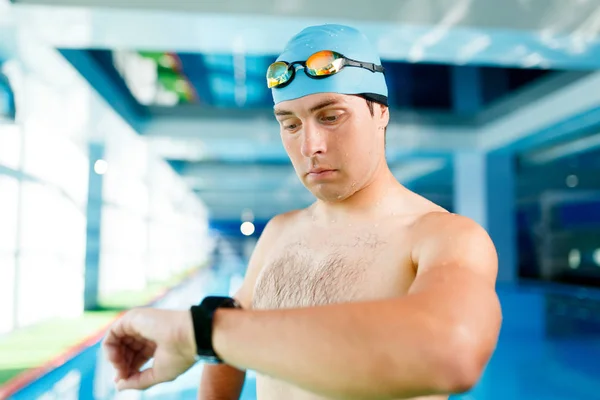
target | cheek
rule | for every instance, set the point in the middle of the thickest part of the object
(288, 144)
(356, 144)
(359, 158)
(292, 148)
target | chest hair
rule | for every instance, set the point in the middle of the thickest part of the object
(302, 277)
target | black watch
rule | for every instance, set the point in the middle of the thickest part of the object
(202, 320)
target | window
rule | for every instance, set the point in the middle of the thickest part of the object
(7, 99)
(9, 206)
(7, 280)
(10, 146)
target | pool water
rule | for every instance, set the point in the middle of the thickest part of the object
(531, 362)
(542, 354)
(520, 369)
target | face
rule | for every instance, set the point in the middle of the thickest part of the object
(333, 141)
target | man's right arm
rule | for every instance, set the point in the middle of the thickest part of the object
(221, 381)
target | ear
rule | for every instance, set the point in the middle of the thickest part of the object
(383, 115)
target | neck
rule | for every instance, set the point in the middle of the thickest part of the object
(376, 196)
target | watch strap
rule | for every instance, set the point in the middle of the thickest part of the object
(202, 320)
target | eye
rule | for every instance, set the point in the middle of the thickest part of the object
(331, 117)
(290, 126)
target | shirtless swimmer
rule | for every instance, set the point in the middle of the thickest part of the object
(372, 292)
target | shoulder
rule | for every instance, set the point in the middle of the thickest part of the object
(447, 238)
(271, 233)
(442, 222)
(274, 230)
(278, 228)
(279, 224)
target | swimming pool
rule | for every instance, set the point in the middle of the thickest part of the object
(548, 350)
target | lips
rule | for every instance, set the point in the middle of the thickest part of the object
(319, 170)
(320, 173)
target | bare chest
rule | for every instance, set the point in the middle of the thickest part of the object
(314, 271)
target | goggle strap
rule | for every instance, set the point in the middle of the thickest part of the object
(370, 66)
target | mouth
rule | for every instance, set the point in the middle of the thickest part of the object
(320, 172)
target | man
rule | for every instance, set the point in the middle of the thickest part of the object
(372, 292)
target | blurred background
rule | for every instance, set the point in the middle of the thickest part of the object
(140, 161)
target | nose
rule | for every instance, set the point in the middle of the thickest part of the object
(313, 141)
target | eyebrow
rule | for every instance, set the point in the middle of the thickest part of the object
(316, 107)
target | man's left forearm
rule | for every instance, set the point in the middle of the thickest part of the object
(381, 350)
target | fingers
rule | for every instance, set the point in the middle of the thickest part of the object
(126, 353)
(141, 358)
(139, 380)
(115, 354)
(135, 338)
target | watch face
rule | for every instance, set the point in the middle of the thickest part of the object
(209, 359)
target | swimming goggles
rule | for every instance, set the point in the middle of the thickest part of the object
(318, 66)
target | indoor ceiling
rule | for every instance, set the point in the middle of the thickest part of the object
(463, 76)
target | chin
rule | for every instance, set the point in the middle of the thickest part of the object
(332, 190)
(331, 196)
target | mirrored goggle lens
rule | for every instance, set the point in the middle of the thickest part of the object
(277, 74)
(324, 63)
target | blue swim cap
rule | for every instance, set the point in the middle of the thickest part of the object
(350, 80)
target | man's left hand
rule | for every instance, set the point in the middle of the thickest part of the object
(144, 334)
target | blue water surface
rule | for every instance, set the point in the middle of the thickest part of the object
(531, 361)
